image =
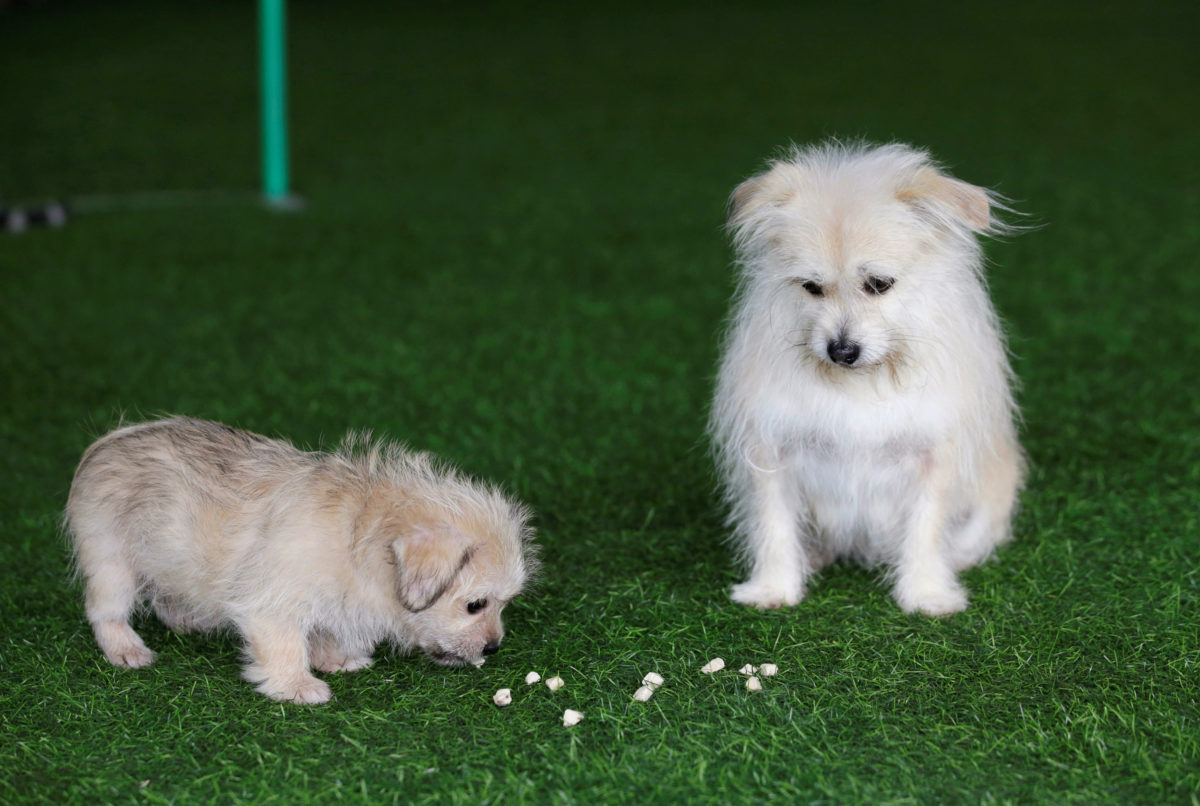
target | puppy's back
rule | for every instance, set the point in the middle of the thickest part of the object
(166, 491)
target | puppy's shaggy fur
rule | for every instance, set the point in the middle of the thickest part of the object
(313, 558)
(863, 405)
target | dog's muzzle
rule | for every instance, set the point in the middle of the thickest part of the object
(842, 351)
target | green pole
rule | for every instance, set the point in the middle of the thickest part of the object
(272, 23)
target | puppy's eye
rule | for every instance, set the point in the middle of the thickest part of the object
(813, 288)
(475, 606)
(878, 285)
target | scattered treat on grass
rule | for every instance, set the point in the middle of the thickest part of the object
(653, 680)
(650, 684)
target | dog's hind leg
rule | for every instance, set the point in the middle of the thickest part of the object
(111, 595)
(779, 566)
(990, 524)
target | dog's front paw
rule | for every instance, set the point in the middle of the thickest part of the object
(764, 595)
(941, 600)
(305, 691)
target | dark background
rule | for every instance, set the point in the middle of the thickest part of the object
(512, 254)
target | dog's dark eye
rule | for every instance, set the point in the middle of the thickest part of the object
(813, 288)
(475, 606)
(878, 285)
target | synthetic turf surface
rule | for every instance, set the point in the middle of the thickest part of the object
(513, 256)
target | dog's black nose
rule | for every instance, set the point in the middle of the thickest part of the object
(490, 647)
(842, 351)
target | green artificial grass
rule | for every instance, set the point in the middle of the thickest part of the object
(512, 255)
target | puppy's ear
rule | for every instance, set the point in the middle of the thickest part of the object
(947, 200)
(428, 560)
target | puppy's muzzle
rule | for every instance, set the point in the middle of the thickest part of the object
(843, 351)
(445, 658)
(491, 647)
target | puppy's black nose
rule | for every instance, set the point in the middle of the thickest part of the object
(490, 647)
(842, 351)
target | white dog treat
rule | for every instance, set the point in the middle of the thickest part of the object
(748, 669)
(555, 683)
(714, 665)
(643, 693)
(503, 697)
(768, 670)
(531, 678)
(753, 683)
(652, 680)
(571, 718)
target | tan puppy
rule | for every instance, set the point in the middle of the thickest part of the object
(314, 558)
(864, 404)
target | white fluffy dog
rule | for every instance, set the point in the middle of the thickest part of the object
(864, 406)
(313, 558)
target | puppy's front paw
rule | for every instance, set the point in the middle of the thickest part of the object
(942, 600)
(305, 691)
(764, 595)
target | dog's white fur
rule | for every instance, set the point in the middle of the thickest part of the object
(905, 454)
(313, 558)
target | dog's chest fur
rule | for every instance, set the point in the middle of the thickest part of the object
(858, 458)
(858, 497)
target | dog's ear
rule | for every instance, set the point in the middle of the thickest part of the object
(944, 197)
(744, 198)
(429, 558)
(752, 196)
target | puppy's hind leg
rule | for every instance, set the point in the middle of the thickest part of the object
(111, 595)
(278, 653)
(770, 522)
